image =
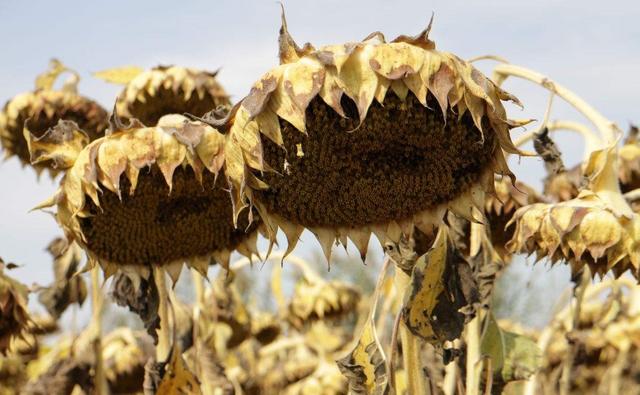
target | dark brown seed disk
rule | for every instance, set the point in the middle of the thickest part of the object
(165, 101)
(403, 159)
(89, 116)
(158, 226)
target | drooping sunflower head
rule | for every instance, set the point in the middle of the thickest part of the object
(597, 228)
(14, 316)
(368, 136)
(67, 288)
(151, 94)
(125, 352)
(37, 111)
(630, 161)
(501, 206)
(265, 327)
(604, 342)
(144, 196)
(225, 315)
(331, 300)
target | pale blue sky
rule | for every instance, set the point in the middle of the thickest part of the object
(591, 47)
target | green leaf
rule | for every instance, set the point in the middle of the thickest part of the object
(513, 356)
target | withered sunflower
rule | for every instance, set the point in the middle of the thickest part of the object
(14, 316)
(265, 327)
(151, 94)
(67, 288)
(500, 207)
(630, 162)
(601, 343)
(149, 196)
(41, 109)
(321, 301)
(597, 228)
(369, 136)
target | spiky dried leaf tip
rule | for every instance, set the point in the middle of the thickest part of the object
(144, 196)
(34, 113)
(367, 137)
(151, 94)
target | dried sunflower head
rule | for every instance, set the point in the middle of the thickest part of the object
(597, 228)
(151, 94)
(630, 162)
(33, 113)
(150, 196)
(499, 209)
(67, 288)
(321, 301)
(125, 353)
(14, 316)
(369, 136)
(265, 327)
(224, 305)
(604, 342)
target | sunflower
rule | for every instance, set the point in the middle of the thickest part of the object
(149, 196)
(223, 305)
(37, 111)
(602, 343)
(67, 288)
(630, 161)
(597, 228)
(151, 94)
(321, 301)
(499, 209)
(265, 327)
(14, 316)
(125, 353)
(369, 136)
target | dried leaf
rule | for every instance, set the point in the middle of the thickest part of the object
(67, 287)
(119, 75)
(177, 379)
(60, 144)
(365, 367)
(141, 299)
(46, 80)
(441, 285)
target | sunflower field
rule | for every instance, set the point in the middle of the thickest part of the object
(354, 223)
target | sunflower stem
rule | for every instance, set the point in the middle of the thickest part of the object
(97, 302)
(495, 58)
(164, 332)
(592, 141)
(607, 128)
(392, 350)
(416, 378)
(580, 289)
(474, 361)
(450, 378)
